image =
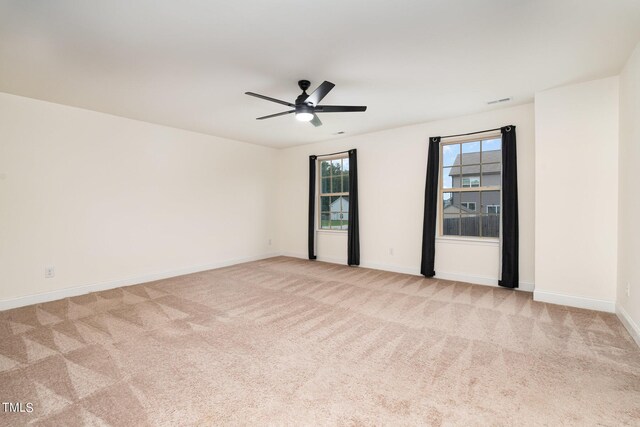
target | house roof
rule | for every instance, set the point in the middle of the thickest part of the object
(492, 157)
(458, 209)
(345, 198)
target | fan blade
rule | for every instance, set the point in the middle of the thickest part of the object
(320, 93)
(276, 115)
(288, 104)
(316, 121)
(338, 108)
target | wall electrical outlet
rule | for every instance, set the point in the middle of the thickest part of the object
(49, 272)
(390, 251)
(628, 289)
(269, 242)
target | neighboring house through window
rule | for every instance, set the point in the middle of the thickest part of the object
(334, 193)
(470, 186)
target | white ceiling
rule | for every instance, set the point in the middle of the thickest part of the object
(187, 64)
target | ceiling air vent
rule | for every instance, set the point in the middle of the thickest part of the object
(498, 101)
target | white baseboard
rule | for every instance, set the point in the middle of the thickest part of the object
(629, 324)
(10, 303)
(481, 280)
(415, 271)
(574, 301)
(372, 265)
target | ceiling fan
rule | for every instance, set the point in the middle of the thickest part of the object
(306, 106)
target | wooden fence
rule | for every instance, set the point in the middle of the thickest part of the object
(472, 225)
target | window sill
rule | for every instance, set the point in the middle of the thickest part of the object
(476, 241)
(332, 231)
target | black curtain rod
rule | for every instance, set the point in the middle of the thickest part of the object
(331, 154)
(470, 133)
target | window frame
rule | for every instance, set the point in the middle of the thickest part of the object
(441, 190)
(319, 193)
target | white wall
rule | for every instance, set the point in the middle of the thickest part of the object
(108, 200)
(629, 215)
(576, 161)
(111, 201)
(391, 176)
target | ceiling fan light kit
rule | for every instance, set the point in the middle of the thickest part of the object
(304, 113)
(306, 106)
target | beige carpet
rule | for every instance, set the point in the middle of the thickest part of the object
(293, 342)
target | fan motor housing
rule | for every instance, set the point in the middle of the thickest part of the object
(300, 99)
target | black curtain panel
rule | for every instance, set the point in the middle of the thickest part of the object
(509, 278)
(312, 206)
(353, 233)
(430, 209)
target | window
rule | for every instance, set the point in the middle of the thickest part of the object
(493, 209)
(334, 193)
(470, 181)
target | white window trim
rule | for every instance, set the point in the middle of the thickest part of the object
(327, 230)
(469, 240)
(469, 203)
